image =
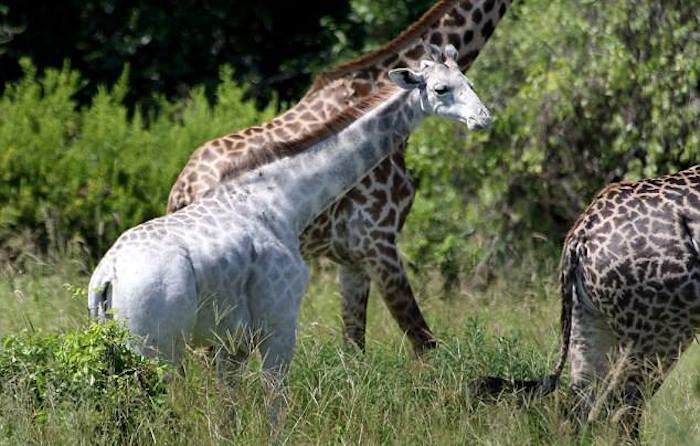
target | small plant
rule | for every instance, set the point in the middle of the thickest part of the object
(93, 368)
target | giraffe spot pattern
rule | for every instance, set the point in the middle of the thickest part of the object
(639, 265)
(477, 16)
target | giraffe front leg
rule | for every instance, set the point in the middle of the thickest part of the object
(279, 287)
(387, 271)
(277, 349)
(354, 289)
(230, 365)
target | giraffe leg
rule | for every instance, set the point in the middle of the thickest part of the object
(354, 289)
(277, 349)
(279, 286)
(592, 345)
(230, 366)
(633, 391)
(644, 373)
(388, 273)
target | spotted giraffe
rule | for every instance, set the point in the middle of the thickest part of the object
(360, 231)
(630, 284)
(229, 266)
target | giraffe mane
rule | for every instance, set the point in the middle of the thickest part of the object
(270, 151)
(417, 28)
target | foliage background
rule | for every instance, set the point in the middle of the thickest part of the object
(585, 93)
(173, 46)
(95, 123)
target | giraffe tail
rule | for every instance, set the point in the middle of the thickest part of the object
(100, 293)
(493, 386)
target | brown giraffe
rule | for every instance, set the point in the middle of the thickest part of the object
(630, 284)
(360, 230)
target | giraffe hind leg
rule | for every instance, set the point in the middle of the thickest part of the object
(593, 345)
(644, 373)
(354, 288)
(388, 273)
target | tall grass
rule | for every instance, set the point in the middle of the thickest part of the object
(338, 395)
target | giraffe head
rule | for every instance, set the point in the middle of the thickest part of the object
(444, 90)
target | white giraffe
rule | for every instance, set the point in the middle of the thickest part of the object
(229, 265)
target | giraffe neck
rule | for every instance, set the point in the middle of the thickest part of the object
(300, 187)
(466, 24)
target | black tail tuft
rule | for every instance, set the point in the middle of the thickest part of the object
(492, 387)
(489, 387)
(99, 301)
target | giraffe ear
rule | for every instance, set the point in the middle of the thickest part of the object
(450, 53)
(406, 79)
(434, 52)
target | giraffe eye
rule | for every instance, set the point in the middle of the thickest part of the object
(441, 89)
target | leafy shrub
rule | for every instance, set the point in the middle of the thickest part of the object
(87, 174)
(93, 368)
(584, 93)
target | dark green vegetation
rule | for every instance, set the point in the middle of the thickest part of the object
(275, 47)
(584, 92)
(91, 372)
(77, 178)
(172, 46)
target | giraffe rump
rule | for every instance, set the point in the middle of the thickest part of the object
(630, 279)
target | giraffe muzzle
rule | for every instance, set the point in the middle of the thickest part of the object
(480, 122)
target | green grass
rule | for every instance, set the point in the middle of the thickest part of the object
(337, 395)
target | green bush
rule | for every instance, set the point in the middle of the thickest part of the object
(85, 175)
(93, 368)
(584, 93)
